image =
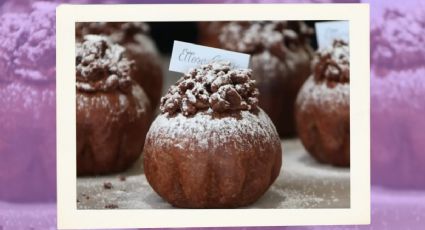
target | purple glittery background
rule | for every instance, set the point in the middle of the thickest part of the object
(27, 113)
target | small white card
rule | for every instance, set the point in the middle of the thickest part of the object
(187, 55)
(326, 32)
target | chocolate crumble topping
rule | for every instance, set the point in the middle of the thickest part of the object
(333, 64)
(213, 86)
(119, 32)
(255, 37)
(101, 66)
(398, 39)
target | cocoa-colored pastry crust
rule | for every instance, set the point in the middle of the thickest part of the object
(212, 157)
(134, 36)
(323, 107)
(113, 112)
(280, 59)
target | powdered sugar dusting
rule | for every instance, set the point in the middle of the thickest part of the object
(27, 47)
(133, 35)
(403, 89)
(333, 63)
(203, 132)
(254, 37)
(141, 98)
(104, 100)
(249, 37)
(18, 96)
(213, 86)
(321, 94)
(398, 36)
(269, 64)
(123, 100)
(38, 51)
(303, 183)
(329, 86)
(100, 65)
(10, 31)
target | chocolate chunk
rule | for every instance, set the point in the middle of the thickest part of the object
(111, 206)
(107, 185)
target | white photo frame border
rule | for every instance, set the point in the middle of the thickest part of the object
(68, 214)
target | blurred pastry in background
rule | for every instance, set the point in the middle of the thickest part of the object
(134, 36)
(209, 32)
(113, 111)
(323, 107)
(397, 94)
(28, 104)
(281, 62)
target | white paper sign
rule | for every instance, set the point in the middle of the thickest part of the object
(187, 55)
(326, 32)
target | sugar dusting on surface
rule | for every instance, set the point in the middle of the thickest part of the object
(133, 35)
(398, 36)
(27, 47)
(216, 86)
(35, 58)
(397, 58)
(103, 75)
(401, 89)
(320, 94)
(100, 65)
(302, 183)
(305, 183)
(270, 64)
(329, 86)
(332, 64)
(103, 100)
(141, 98)
(254, 37)
(18, 97)
(204, 132)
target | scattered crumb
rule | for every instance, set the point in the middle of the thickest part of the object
(78, 201)
(111, 206)
(122, 178)
(107, 185)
